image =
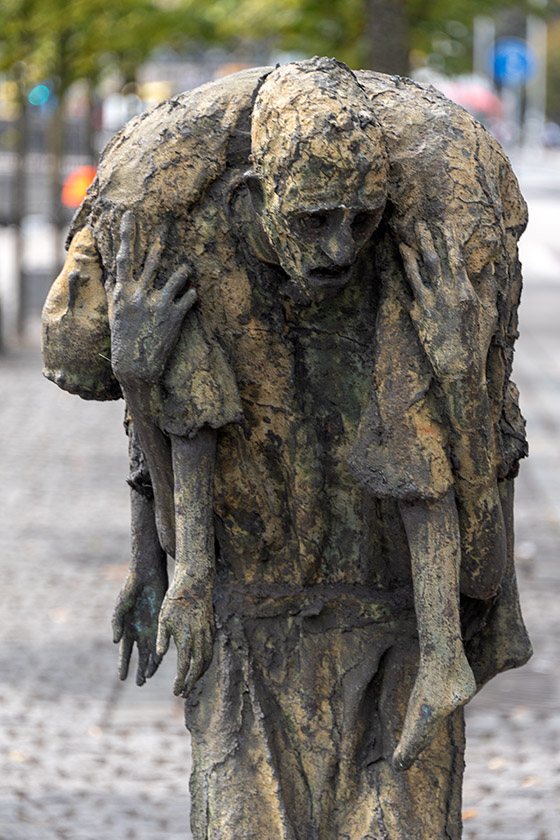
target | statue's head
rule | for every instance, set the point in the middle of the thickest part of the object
(319, 181)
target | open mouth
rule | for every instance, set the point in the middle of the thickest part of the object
(329, 276)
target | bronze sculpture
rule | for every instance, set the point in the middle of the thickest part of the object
(305, 283)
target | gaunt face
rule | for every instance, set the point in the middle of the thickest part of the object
(323, 243)
(318, 238)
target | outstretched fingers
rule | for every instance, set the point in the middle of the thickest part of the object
(183, 667)
(117, 624)
(153, 664)
(125, 602)
(153, 260)
(163, 638)
(125, 651)
(143, 659)
(453, 250)
(176, 288)
(450, 281)
(200, 659)
(176, 299)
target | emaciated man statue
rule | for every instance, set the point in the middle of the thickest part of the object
(304, 282)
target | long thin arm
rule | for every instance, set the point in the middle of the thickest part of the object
(187, 611)
(157, 451)
(456, 325)
(483, 533)
(146, 320)
(445, 680)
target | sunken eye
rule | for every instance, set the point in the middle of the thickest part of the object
(311, 223)
(363, 223)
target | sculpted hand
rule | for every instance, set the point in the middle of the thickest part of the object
(189, 618)
(135, 619)
(454, 323)
(145, 319)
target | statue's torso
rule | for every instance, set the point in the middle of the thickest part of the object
(288, 510)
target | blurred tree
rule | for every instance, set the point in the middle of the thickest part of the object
(61, 41)
(388, 36)
(57, 42)
(553, 71)
(379, 34)
(299, 26)
(442, 30)
(65, 40)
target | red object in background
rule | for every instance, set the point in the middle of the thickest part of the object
(76, 184)
(475, 97)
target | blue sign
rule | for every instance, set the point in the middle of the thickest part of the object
(39, 95)
(513, 62)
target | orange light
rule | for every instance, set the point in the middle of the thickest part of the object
(76, 184)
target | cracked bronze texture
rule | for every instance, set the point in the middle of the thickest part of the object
(307, 283)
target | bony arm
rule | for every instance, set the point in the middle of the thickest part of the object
(483, 538)
(455, 324)
(483, 533)
(146, 316)
(187, 612)
(444, 680)
(135, 618)
(156, 449)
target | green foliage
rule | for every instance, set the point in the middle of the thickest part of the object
(553, 74)
(302, 26)
(441, 29)
(66, 40)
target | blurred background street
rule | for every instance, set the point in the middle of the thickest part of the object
(84, 756)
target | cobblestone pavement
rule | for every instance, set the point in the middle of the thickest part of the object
(82, 755)
(86, 757)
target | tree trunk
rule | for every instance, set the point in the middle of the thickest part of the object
(388, 38)
(91, 128)
(18, 204)
(56, 149)
(56, 145)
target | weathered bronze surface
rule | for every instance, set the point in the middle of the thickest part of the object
(304, 282)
